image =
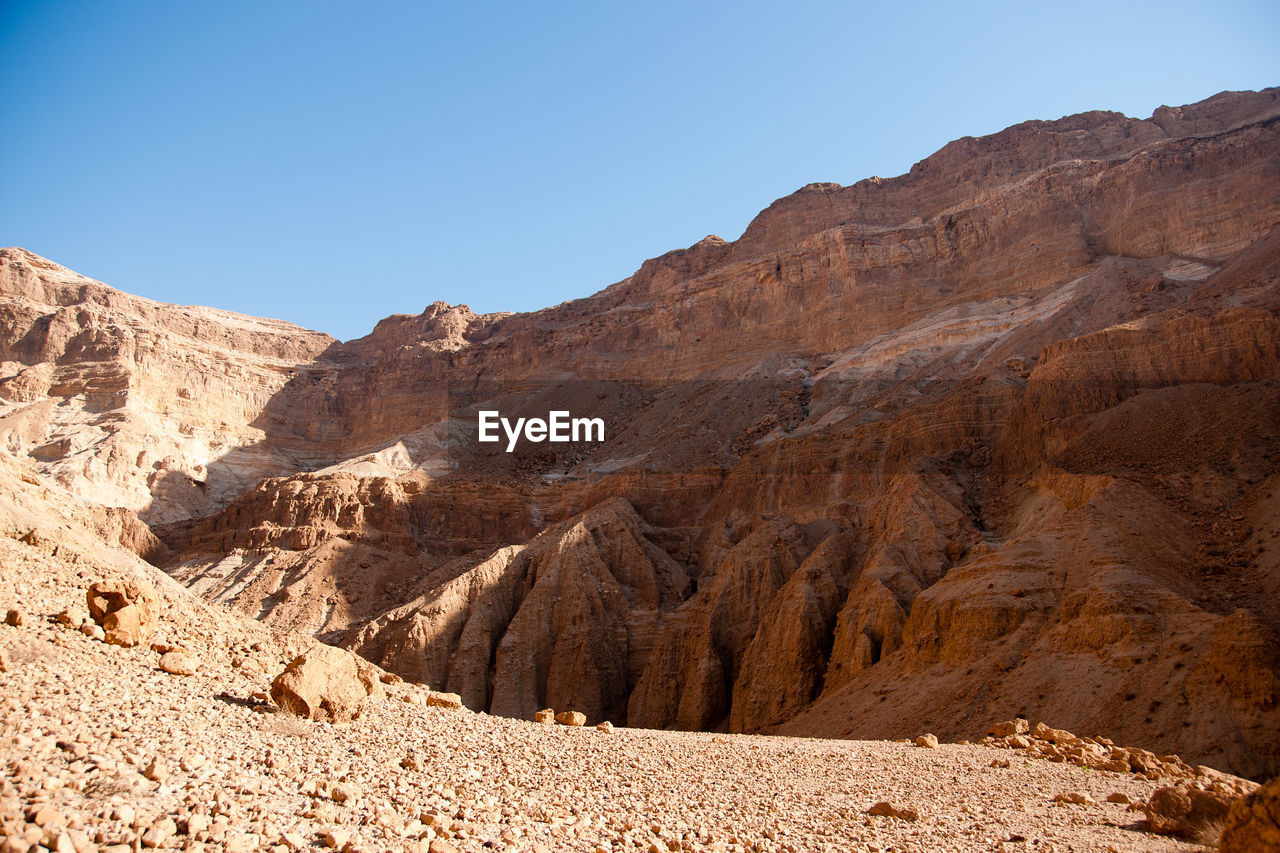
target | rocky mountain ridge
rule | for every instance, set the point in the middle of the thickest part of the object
(913, 454)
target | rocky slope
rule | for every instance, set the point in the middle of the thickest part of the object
(997, 437)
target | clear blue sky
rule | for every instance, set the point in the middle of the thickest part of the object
(332, 163)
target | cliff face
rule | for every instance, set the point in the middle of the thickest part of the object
(995, 437)
(132, 403)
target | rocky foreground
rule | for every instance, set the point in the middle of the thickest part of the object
(172, 743)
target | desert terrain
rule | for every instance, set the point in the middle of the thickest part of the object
(996, 440)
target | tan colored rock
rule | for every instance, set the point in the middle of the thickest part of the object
(927, 741)
(179, 663)
(1010, 728)
(156, 771)
(1075, 798)
(321, 684)
(571, 718)
(1252, 824)
(159, 833)
(15, 618)
(127, 610)
(371, 678)
(47, 816)
(1185, 811)
(452, 701)
(1119, 797)
(1055, 736)
(887, 809)
(72, 617)
(606, 727)
(546, 715)
(337, 838)
(343, 792)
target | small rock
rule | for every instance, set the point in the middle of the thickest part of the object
(337, 838)
(887, 809)
(606, 727)
(15, 617)
(571, 718)
(451, 701)
(60, 842)
(294, 840)
(1043, 732)
(4, 661)
(439, 845)
(1075, 798)
(178, 663)
(46, 817)
(242, 842)
(127, 610)
(391, 678)
(343, 792)
(159, 833)
(1011, 727)
(546, 715)
(1119, 797)
(927, 741)
(72, 617)
(156, 771)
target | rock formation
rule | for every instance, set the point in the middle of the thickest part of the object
(996, 438)
(1253, 823)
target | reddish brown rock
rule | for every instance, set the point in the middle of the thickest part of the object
(1252, 824)
(887, 809)
(1185, 810)
(127, 610)
(1010, 728)
(452, 701)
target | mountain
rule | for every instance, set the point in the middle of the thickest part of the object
(998, 437)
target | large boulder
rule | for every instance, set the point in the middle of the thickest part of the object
(127, 610)
(1185, 810)
(1253, 823)
(321, 684)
